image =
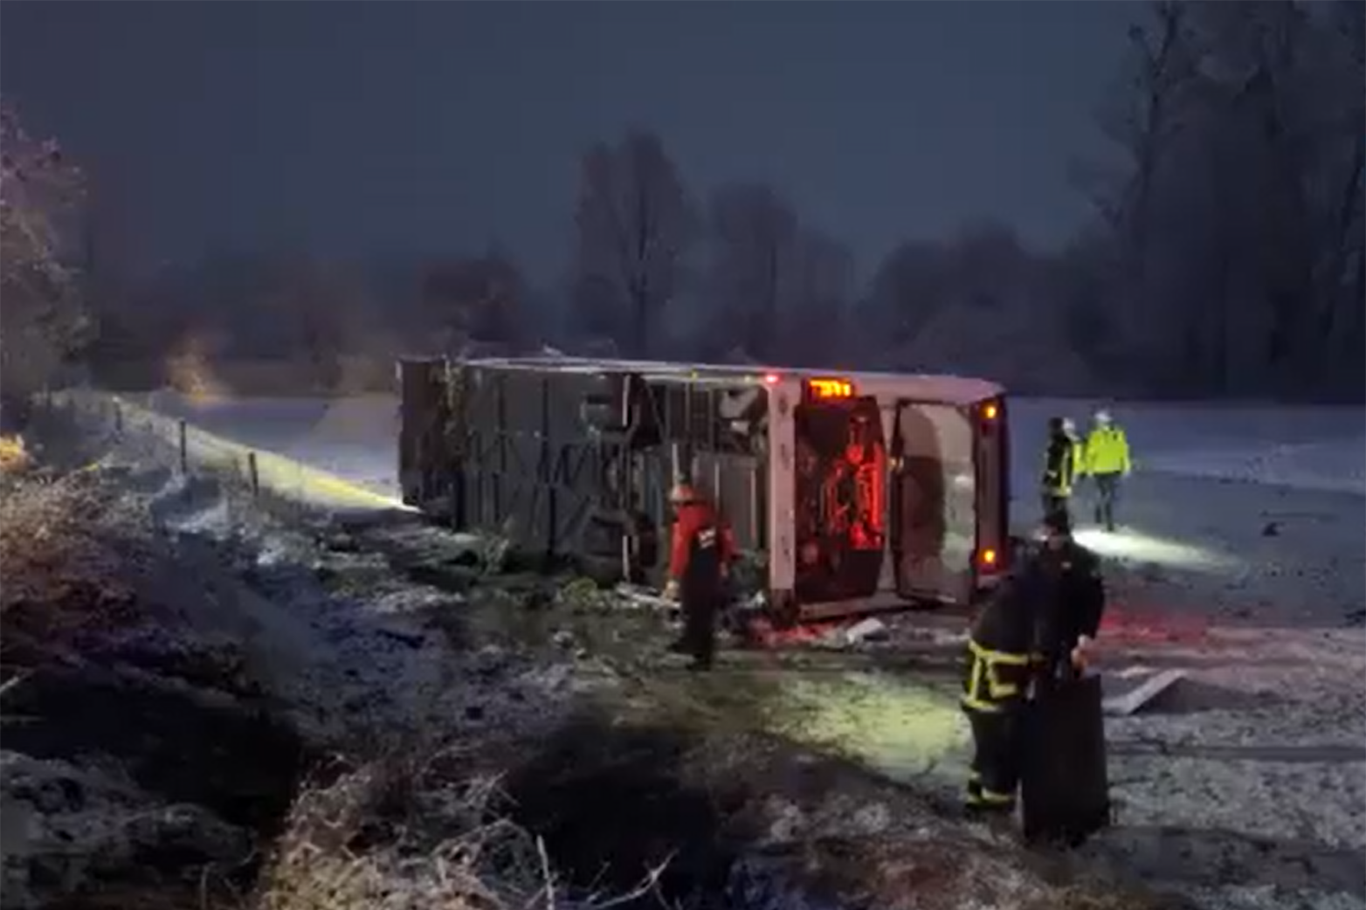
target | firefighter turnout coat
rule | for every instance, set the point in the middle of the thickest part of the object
(1019, 643)
(1060, 465)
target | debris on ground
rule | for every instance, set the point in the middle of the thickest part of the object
(1131, 689)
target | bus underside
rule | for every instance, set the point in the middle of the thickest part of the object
(574, 465)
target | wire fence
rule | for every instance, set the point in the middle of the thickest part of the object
(193, 451)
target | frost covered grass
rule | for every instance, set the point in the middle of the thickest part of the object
(65, 556)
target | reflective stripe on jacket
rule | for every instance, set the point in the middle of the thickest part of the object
(999, 645)
(995, 678)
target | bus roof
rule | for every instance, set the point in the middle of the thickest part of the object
(957, 390)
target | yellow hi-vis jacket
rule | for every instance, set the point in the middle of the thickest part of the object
(1106, 452)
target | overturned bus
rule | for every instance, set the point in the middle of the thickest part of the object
(850, 493)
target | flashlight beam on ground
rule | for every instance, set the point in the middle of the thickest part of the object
(1134, 546)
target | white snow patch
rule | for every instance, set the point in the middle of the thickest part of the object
(1335, 466)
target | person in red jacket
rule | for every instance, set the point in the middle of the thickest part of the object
(699, 563)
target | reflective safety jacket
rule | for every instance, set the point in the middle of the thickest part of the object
(1059, 465)
(1107, 452)
(1029, 627)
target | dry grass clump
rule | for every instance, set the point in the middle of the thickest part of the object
(14, 456)
(407, 834)
(401, 835)
(340, 852)
(64, 559)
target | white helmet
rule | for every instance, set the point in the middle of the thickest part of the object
(1103, 418)
(1069, 425)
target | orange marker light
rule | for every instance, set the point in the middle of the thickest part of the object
(989, 411)
(988, 557)
(830, 388)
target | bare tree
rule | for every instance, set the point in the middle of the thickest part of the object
(476, 299)
(43, 319)
(635, 224)
(814, 333)
(908, 289)
(754, 266)
(1145, 118)
(777, 288)
(1337, 71)
(1165, 62)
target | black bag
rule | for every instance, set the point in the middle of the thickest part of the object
(1065, 789)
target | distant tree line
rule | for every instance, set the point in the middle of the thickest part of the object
(1224, 255)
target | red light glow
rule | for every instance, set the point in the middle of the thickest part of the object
(771, 378)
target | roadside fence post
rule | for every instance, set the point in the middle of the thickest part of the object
(184, 450)
(255, 474)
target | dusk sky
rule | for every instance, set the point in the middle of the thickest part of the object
(364, 128)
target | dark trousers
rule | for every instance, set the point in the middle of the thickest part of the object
(1054, 503)
(995, 774)
(1107, 491)
(699, 626)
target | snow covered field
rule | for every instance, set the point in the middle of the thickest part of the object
(1241, 560)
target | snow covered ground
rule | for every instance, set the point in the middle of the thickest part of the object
(1242, 560)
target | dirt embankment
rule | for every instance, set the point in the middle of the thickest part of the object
(136, 745)
(211, 707)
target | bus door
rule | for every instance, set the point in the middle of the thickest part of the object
(947, 474)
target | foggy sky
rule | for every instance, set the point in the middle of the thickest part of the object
(362, 128)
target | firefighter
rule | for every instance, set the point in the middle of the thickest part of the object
(1059, 470)
(1106, 461)
(1069, 429)
(1037, 628)
(699, 564)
